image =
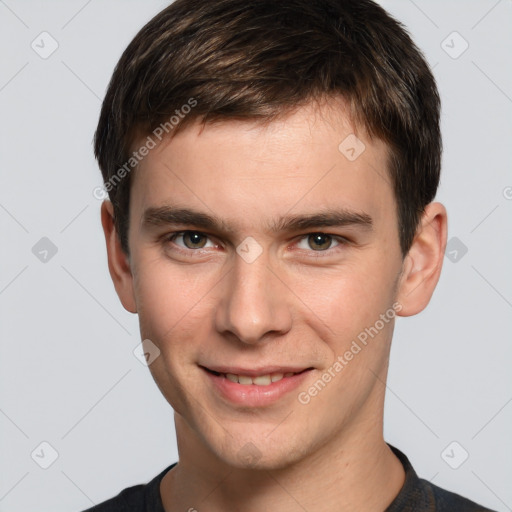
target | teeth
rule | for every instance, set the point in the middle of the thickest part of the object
(260, 380)
(243, 379)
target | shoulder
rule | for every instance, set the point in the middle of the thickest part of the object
(447, 501)
(128, 500)
(138, 498)
(419, 495)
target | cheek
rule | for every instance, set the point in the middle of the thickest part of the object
(344, 301)
(173, 310)
(167, 300)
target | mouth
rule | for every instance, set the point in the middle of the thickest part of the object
(254, 388)
(257, 378)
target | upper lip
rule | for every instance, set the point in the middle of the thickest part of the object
(264, 370)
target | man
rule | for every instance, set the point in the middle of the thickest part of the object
(271, 168)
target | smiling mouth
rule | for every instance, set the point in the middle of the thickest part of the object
(256, 380)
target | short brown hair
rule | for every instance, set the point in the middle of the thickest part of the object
(258, 59)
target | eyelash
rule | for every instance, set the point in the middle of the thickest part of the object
(342, 241)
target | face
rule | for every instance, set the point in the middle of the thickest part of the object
(259, 256)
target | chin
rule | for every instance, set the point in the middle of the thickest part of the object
(260, 453)
(251, 458)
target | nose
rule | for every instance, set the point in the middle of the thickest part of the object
(254, 305)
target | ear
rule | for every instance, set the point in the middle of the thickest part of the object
(118, 261)
(422, 265)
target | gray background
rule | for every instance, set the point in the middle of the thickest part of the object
(68, 373)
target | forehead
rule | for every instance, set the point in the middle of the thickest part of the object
(249, 173)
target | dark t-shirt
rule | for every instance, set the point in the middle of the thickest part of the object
(416, 495)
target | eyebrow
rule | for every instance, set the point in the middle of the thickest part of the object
(169, 215)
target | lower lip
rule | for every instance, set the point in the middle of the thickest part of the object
(252, 395)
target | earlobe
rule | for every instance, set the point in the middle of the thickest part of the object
(422, 265)
(118, 263)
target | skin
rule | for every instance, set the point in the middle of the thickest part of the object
(296, 304)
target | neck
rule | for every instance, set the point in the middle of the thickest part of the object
(351, 472)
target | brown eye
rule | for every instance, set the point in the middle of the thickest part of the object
(194, 239)
(319, 241)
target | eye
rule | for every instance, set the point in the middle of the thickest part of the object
(190, 239)
(319, 242)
